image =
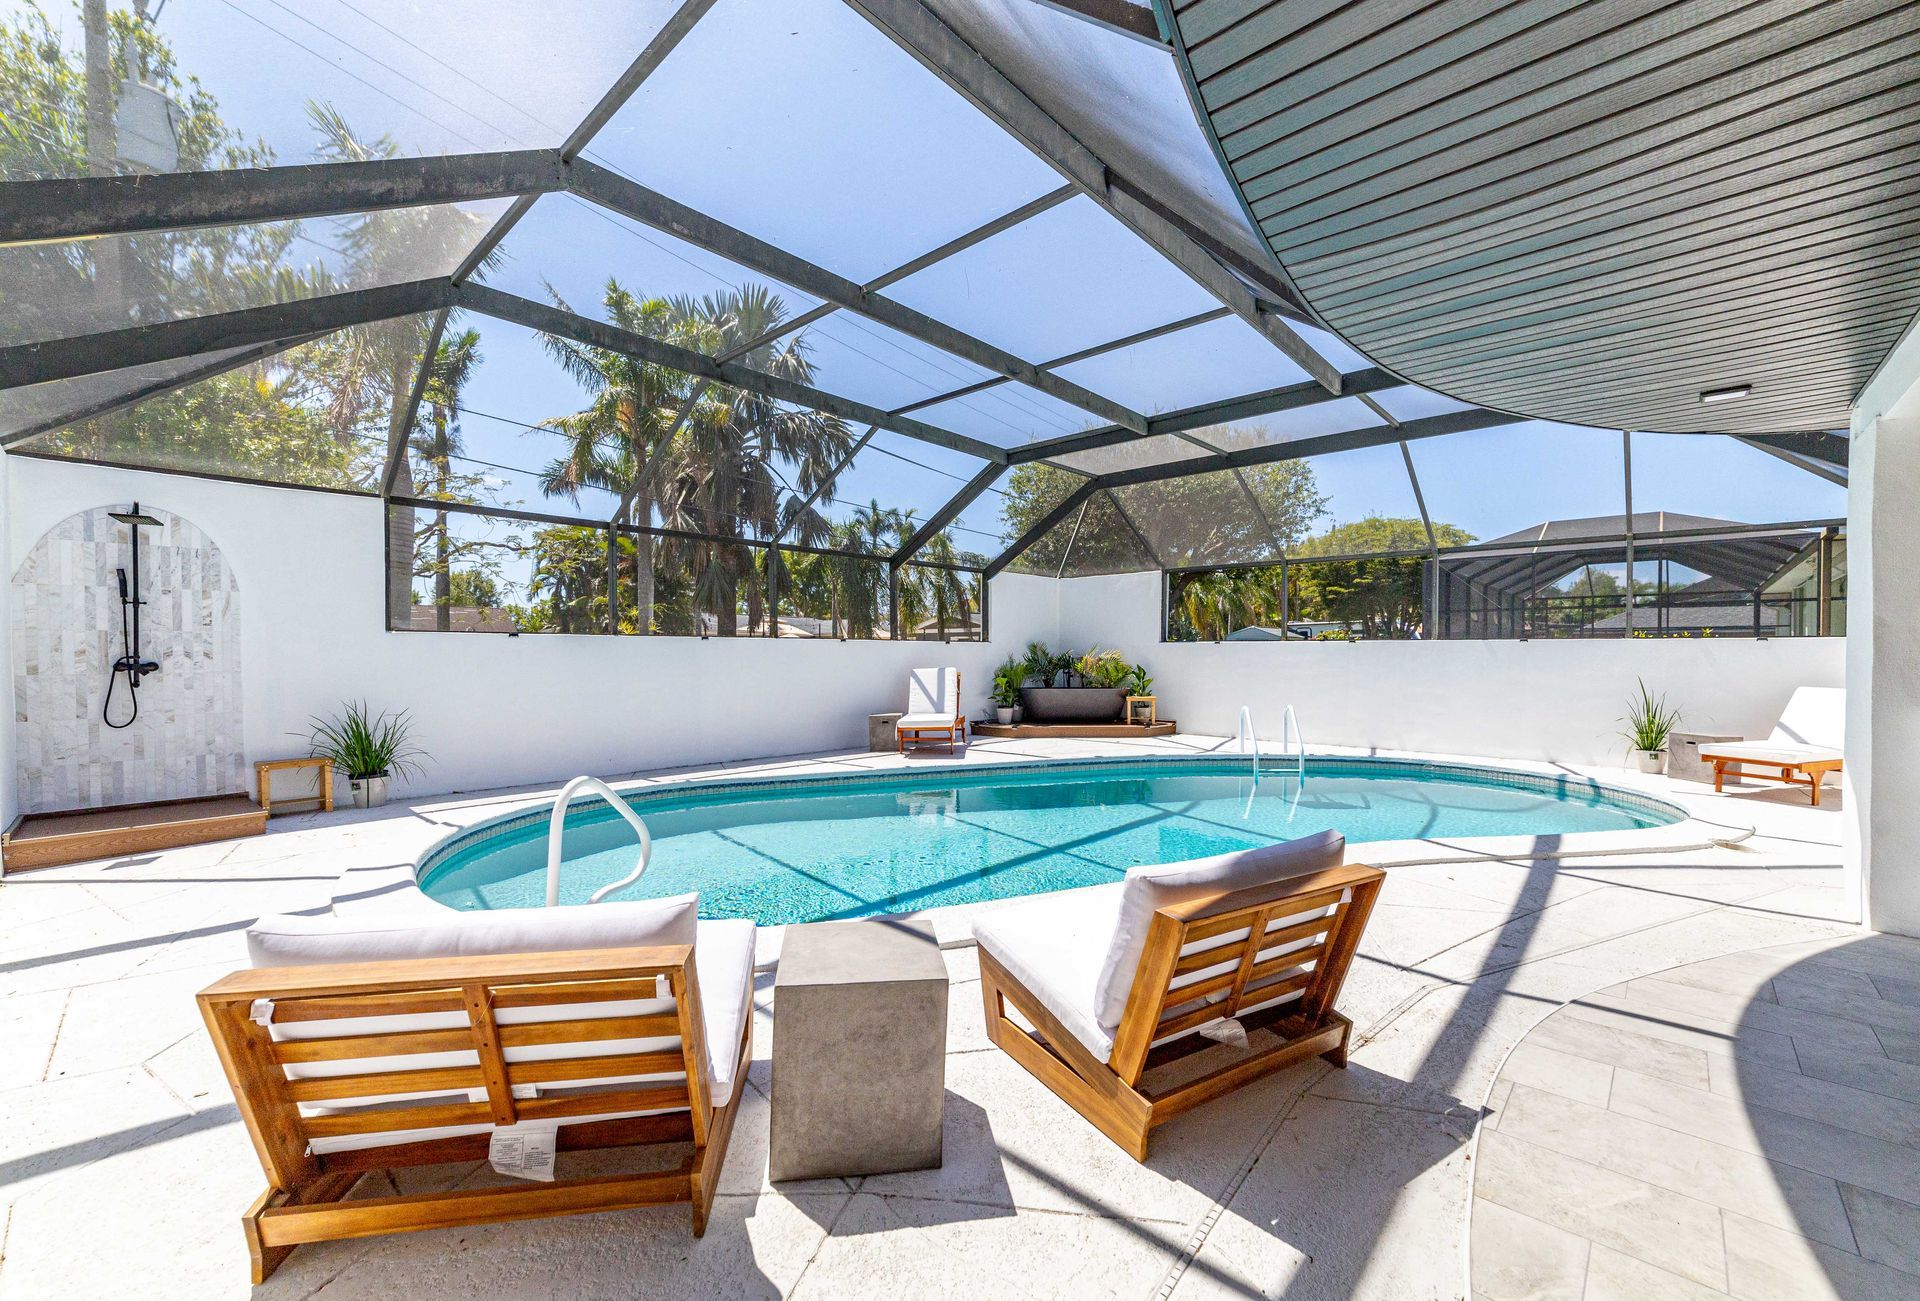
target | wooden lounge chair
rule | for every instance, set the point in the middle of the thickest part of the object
(1802, 749)
(398, 1058)
(1095, 990)
(933, 709)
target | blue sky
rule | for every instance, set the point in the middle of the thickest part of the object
(799, 123)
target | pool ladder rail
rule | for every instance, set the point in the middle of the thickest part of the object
(557, 827)
(1249, 739)
(1289, 727)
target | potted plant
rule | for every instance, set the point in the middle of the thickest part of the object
(1141, 706)
(1037, 667)
(1649, 723)
(369, 748)
(1006, 689)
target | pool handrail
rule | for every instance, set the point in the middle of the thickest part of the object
(1290, 723)
(1243, 733)
(556, 831)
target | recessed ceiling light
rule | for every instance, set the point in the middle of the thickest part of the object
(1731, 393)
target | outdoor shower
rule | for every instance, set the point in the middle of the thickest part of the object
(129, 662)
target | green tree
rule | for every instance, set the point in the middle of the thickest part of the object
(438, 549)
(1371, 594)
(1378, 596)
(1221, 517)
(849, 590)
(568, 583)
(739, 466)
(475, 587)
(935, 591)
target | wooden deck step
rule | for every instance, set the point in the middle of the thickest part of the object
(74, 836)
(1024, 731)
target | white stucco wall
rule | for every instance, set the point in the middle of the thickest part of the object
(495, 710)
(9, 799)
(1883, 651)
(1550, 700)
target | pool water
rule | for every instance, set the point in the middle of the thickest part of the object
(853, 848)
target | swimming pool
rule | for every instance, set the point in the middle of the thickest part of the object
(812, 850)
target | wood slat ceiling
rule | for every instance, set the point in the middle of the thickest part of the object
(1589, 212)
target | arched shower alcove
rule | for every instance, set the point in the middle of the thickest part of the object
(187, 740)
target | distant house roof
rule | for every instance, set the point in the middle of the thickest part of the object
(463, 618)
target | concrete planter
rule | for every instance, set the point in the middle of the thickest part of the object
(1074, 704)
(1003, 714)
(369, 792)
(1649, 760)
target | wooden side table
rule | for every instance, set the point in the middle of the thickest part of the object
(263, 773)
(1151, 710)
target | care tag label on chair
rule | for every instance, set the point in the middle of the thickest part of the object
(525, 1151)
(1229, 1032)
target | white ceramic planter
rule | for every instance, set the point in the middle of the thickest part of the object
(1650, 760)
(369, 792)
(1003, 714)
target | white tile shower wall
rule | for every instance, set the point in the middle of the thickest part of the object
(65, 634)
(493, 710)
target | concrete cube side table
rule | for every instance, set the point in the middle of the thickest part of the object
(859, 1050)
(880, 737)
(1683, 755)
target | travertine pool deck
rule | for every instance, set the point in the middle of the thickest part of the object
(123, 1167)
(1745, 1126)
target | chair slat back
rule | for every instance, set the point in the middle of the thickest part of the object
(372, 1058)
(1287, 942)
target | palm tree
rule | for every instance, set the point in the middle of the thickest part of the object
(376, 362)
(737, 466)
(367, 368)
(937, 588)
(436, 440)
(620, 441)
(748, 464)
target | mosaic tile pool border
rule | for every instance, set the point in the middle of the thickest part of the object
(642, 794)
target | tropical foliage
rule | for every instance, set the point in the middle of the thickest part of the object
(1351, 585)
(317, 414)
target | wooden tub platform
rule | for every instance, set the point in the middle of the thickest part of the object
(50, 839)
(1027, 731)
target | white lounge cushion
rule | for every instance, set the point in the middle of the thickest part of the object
(1763, 752)
(1148, 889)
(932, 693)
(1054, 945)
(723, 964)
(910, 721)
(1815, 717)
(300, 941)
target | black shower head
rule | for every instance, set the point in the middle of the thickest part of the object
(134, 516)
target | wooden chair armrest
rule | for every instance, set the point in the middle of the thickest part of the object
(342, 978)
